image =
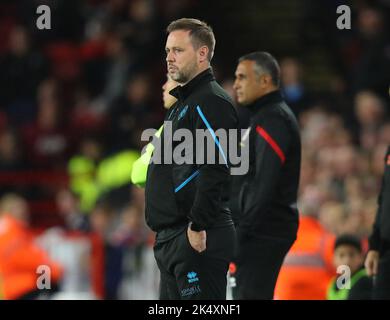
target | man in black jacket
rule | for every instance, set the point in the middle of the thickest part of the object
(187, 201)
(268, 214)
(378, 257)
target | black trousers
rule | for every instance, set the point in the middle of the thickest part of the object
(258, 264)
(381, 289)
(187, 274)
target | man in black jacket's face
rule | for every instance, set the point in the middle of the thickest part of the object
(184, 58)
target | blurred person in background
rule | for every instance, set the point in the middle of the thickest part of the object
(84, 117)
(292, 86)
(104, 221)
(141, 274)
(378, 258)
(140, 167)
(23, 68)
(118, 63)
(125, 235)
(140, 29)
(332, 216)
(360, 216)
(376, 159)
(368, 57)
(138, 178)
(47, 139)
(138, 198)
(68, 204)
(308, 266)
(131, 229)
(20, 257)
(82, 169)
(348, 252)
(370, 112)
(11, 155)
(95, 174)
(130, 111)
(268, 209)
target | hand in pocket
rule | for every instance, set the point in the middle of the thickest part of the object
(197, 239)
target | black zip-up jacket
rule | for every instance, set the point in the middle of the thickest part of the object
(267, 200)
(177, 194)
(380, 237)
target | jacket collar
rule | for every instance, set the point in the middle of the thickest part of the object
(182, 92)
(269, 98)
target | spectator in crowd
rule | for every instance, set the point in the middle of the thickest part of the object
(370, 113)
(20, 257)
(69, 208)
(47, 139)
(103, 220)
(11, 155)
(307, 268)
(292, 85)
(140, 167)
(140, 29)
(117, 67)
(348, 253)
(124, 234)
(22, 70)
(332, 216)
(370, 65)
(84, 117)
(130, 111)
(82, 169)
(95, 174)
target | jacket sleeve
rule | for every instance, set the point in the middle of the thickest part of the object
(272, 139)
(374, 240)
(140, 166)
(213, 178)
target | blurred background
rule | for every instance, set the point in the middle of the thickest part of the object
(75, 99)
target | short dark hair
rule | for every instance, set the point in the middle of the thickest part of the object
(348, 240)
(265, 63)
(200, 32)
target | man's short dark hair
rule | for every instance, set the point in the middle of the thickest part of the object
(265, 63)
(200, 32)
(348, 240)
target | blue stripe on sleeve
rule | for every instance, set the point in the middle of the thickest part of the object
(212, 134)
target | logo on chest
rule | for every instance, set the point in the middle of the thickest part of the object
(182, 112)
